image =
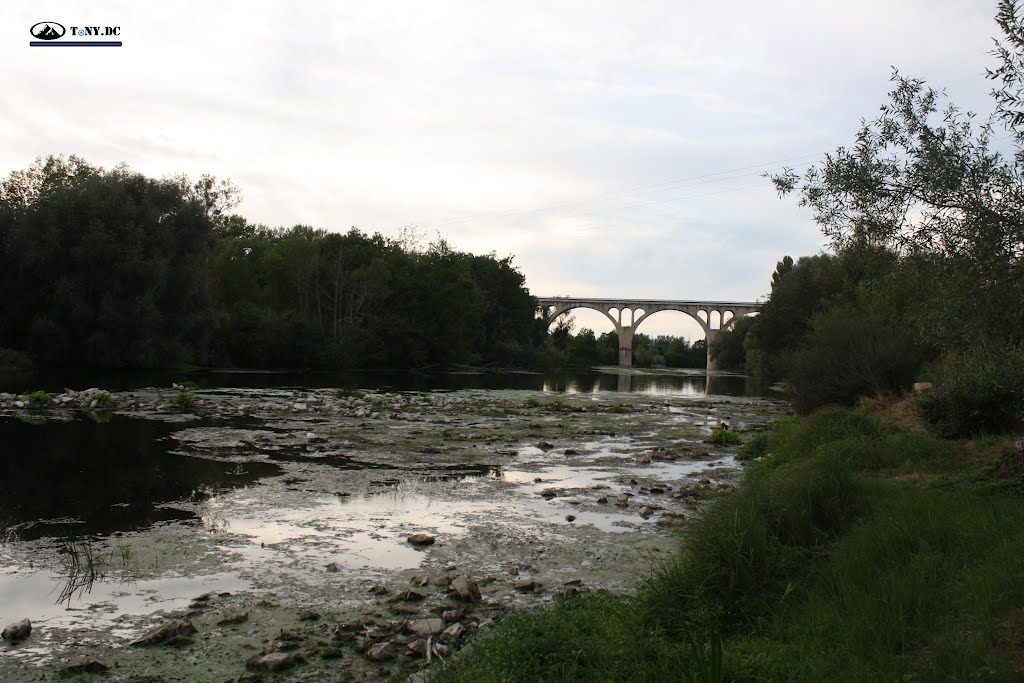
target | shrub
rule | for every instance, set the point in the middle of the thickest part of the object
(851, 353)
(37, 399)
(102, 401)
(184, 402)
(757, 447)
(721, 436)
(983, 393)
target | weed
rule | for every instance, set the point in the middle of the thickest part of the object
(721, 436)
(102, 401)
(184, 402)
(757, 447)
(37, 399)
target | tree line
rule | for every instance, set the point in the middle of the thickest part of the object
(110, 268)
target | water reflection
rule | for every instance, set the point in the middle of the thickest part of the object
(679, 382)
(100, 478)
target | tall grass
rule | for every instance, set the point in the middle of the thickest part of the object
(853, 551)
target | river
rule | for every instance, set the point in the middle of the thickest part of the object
(289, 499)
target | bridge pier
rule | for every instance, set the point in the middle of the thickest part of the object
(705, 313)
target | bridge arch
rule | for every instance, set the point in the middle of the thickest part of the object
(627, 314)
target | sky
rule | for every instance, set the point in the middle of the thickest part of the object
(615, 149)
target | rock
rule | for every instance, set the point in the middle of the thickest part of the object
(451, 615)
(416, 648)
(426, 627)
(603, 500)
(643, 459)
(313, 437)
(571, 451)
(465, 589)
(545, 446)
(331, 653)
(233, 618)
(409, 596)
(442, 581)
(453, 633)
(378, 590)
(275, 661)
(921, 387)
(300, 406)
(420, 539)
(164, 633)
(572, 582)
(309, 615)
(666, 520)
(645, 511)
(430, 450)
(332, 567)
(526, 585)
(420, 580)
(17, 631)
(381, 652)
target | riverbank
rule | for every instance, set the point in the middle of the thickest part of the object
(275, 522)
(858, 547)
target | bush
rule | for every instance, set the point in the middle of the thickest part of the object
(983, 393)
(37, 399)
(721, 436)
(184, 402)
(757, 447)
(102, 401)
(850, 353)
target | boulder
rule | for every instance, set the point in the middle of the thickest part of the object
(426, 627)
(17, 631)
(275, 661)
(381, 652)
(465, 589)
(420, 539)
(164, 633)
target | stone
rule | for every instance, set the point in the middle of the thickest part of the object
(526, 585)
(420, 539)
(451, 615)
(465, 589)
(645, 511)
(378, 590)
(570, 518)
(545, 446)
(453, 633)
(275, 661)
(381, 652)
(233, 618)
(643, 459)
(410, 596)
(921, 387)
(332, 567)
(164, 633)
(603, 500)
(19, 630)
(426, 627)
(309, 615)
(313, 437)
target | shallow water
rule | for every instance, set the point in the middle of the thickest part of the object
(313, 506)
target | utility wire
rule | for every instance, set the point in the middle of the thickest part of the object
(637, 190)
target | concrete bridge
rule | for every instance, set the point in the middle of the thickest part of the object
(627, 314)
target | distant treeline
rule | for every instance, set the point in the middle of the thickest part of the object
(585, 349)
(114, 269)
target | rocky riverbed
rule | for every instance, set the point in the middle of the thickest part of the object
(321, 535)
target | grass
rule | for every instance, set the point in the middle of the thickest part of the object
(855, 550)
(720, 436)
(184, 402)
(37, 399)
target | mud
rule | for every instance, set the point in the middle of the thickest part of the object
(292, 536)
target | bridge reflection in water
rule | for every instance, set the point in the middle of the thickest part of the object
(627, 314)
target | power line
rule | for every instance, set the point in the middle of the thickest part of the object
(637, 190)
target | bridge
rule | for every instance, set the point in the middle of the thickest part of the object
(627, 314)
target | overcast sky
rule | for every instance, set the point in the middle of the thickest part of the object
(615, 148)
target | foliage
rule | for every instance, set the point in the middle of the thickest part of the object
(721, 436)
(981, 393)
(850, 353)
(756, 447)
(101, 400)
(184, 402)
(104, 268)
(587, 638)
(37, 399)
